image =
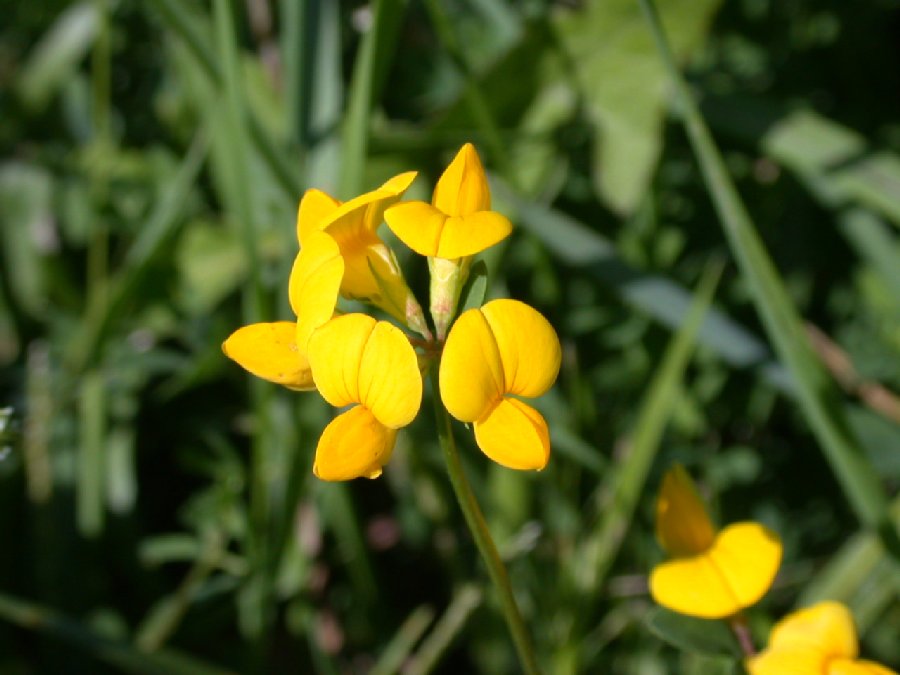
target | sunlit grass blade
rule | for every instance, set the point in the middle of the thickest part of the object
(623, 488)
(815, 391)
(92, 455)
(116, 653)
(369, 72)
(465, 601)
(401, 645)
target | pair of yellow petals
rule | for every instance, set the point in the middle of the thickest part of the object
(502, 350)
(819, 640)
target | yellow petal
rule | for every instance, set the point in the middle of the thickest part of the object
(371, 273)
(429, 232)
(747, 556)
(467, 235)
(390, 384)
(314, 284)
(418, 225)
(827, 626)
(471, 373)
(335, 351)
(463, 188)
(355, 222)
(514, 435)
(848, 667)
(735, 573)
(353, 445)
(528, 345)
(269, 351)
(315, 207)
(793, 661)
(682, 524)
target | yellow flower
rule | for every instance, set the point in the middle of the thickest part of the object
(356, 360)
(819, 640)
(371, 272)
(504, 348)
(269, 351)
(711, 575)
(455, 226)
(458, 222)
(277, 351)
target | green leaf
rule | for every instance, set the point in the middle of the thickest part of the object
(56, 56)
(611, 59)
(691, 634)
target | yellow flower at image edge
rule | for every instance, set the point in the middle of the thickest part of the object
(819, 640)
(358, 361)
(505, 348)
(712, 574)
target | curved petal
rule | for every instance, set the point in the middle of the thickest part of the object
(314, 284)
(471, 373)
(467, 235)
(848, 667)
(356, 220)
(683, 527)
(418, 225)
(390, 384)
(788, 662)
(827, 626)
(529, 348)
(315, 207)
(463, 188)
(733, 574)
(747, 556)
(353, 445)
(335, 351)
(514, 435)
(693, 586)
(269, 351)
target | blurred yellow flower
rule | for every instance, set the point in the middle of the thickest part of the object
(819, 640)
(369, 364)
(371, 271)
(711, 575)
(505, 348)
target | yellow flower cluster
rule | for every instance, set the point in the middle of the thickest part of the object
(716, 575)
(503, 350)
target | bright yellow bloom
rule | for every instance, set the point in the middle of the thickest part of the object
(269, 351)
(505, 348)
(314, 284)
(356, 360)
(711, 575)
(819, 640)
(371, 272)
(458, 222)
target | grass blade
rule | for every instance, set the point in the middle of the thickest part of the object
(815, 391)
(113, 652)
(626, 484)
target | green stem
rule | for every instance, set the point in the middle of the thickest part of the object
(482, 536)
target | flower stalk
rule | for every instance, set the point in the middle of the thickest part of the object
(482, 536)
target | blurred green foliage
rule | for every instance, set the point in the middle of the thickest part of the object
(157, 508)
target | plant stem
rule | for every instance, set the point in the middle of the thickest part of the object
(738, 625)
(482, 536)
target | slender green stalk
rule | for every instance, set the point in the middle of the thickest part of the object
(815, 391)
(482, 536)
